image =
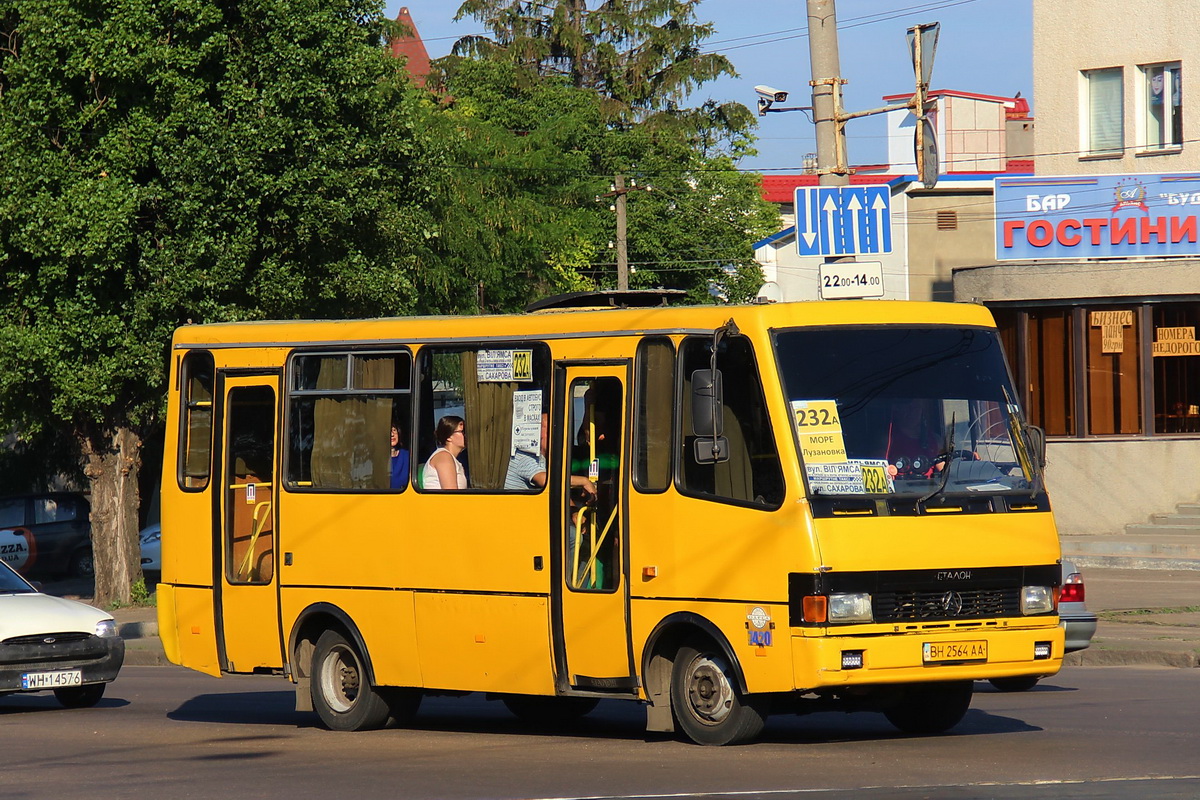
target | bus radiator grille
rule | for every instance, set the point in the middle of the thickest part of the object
(943, 605)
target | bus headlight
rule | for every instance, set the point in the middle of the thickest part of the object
(850, 607)
(1037, 600)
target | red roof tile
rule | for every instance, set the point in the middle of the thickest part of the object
(411, 48)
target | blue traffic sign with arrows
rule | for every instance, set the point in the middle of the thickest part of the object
(843, 220)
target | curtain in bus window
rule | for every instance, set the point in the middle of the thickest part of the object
(373, 448)
(489, 426)
(733, 478)
(351, 446)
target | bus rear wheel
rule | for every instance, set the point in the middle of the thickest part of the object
(342, 693)
(930, 708)
(708, 706)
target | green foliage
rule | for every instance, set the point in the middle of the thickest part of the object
(191, 160)
(641, 57)
(593, 93)
(525, 211)
(515, 199)
(139, 594)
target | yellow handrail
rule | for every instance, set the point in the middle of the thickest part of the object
(259, 524)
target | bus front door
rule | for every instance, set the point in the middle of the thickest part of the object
(593, 647)
(248, 598)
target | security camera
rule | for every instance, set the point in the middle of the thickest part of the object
(771, 93)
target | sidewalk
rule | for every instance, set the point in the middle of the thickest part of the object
(1146, 617)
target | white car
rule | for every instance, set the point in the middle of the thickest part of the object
(151, 542)
(49, 643)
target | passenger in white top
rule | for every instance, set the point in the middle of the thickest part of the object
(443, 470)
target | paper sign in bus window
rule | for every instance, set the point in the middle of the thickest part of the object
(858, 476)
(527, 422)
(819, 429)
(502, 366)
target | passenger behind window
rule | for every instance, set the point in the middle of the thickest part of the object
(399, 461)
(443, 470)
(528, 471)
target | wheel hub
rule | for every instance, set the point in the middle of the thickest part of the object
(709, 692)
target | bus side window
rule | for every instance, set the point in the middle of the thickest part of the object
(654, 410)
(752, 474)
(500, 392)
(196, 419)
(342, 408)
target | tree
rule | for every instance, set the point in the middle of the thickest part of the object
(641, 57)
(515, 199)
(187, 161)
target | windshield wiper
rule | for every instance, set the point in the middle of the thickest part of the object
(1025, 460)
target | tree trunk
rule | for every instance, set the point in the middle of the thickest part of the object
(113, 458)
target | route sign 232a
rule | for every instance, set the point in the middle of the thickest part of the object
(843, 220)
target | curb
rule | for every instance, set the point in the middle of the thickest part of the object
(1097, 657)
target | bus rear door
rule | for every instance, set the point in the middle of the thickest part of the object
(248, 599)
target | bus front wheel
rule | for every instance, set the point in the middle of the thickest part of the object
(931, 707)
(708, 706)
(342, 693)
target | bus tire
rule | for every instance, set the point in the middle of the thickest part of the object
(342, 693)
(1020, 683)
(930, 708)
(708, 707)
(548, 711)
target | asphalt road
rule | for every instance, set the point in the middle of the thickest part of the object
(1097, 733)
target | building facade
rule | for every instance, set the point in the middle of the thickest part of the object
(933, 231)
(1100, 302)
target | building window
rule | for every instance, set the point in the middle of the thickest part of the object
(1176, 354)
(1104, 130)
(1163, 87)
(1114, 373)
(1051, 367)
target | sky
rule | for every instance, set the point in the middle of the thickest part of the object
(985, 46)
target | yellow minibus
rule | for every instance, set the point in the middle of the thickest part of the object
(719, 512)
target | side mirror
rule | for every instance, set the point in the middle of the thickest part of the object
(708, 417)
(708, 396)
(1037, 443)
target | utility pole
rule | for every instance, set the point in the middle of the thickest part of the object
(618, 193)
(622, 240)
(827, 94)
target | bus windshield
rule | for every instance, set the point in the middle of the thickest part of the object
(904, 410)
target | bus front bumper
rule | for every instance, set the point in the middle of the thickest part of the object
(965, 654)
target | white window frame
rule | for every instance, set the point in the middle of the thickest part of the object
(1172, 77)
(1088, 141)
